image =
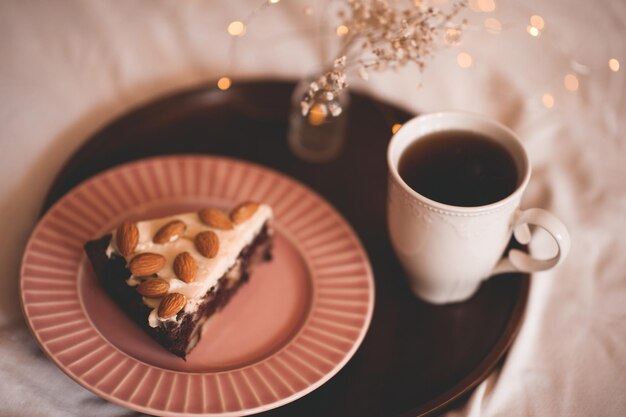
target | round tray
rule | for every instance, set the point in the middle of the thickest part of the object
(416, 358)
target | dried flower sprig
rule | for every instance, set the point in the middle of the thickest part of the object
(380, 35)
(324, 92)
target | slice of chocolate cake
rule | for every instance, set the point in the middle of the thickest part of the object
(171, 274)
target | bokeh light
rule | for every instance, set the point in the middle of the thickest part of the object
(224, 83)
(486, 5)
(571, 82)
(548, 100)
(537, 21)
(342, 30)
(236, 28)
(464, 60)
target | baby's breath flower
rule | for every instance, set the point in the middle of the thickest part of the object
(382, 34)
(324, 91)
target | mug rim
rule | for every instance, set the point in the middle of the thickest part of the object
(428, 118)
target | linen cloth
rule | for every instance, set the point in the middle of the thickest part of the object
(69, 67)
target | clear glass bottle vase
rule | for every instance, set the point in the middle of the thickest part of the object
(318, 136)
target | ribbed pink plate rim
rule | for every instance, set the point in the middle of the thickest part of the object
(340, 313)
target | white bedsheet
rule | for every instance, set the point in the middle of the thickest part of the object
(68, 67)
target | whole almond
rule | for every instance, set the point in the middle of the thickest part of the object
(207, 243)
(243, 212)
(126, 238)
(215, 218)
(153, 287)
(170, 232)
(185, 267)
(171, 304)
(146, 264)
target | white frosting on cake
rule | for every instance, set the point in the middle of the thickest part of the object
(209, 271)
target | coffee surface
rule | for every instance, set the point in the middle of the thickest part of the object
(459, 168)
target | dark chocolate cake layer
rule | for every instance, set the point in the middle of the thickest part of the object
(181, 336)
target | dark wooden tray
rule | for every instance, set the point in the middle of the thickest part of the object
(416, 358)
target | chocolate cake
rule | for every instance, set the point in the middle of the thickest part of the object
(171, 274)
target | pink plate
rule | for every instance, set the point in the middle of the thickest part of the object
(290, 329)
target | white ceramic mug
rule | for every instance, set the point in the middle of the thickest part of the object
(447, 251)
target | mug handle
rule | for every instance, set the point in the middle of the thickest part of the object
(519, 261)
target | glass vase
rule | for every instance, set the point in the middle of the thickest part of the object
(318, 136)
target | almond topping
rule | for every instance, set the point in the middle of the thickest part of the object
(207, 243)
(170, 232)
(126, 238)
(171, 304)
(153, 287)
(243, 212)
(146, 264)
(215, 218)
(185, 267)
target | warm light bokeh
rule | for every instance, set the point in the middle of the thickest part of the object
(548, 100)
(224, 83)
(317, 115)
(464, 60)
(342, 30)
(236, 28)
(537, 21)
(571, 82)
(487, 5)
(533, 31)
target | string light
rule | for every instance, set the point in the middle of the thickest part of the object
(464, 60)
(451, 37)
(571, 82)
(342, 30)
(537, 21)
(236, 28)
(395, 127)
(486, 5)
(533, 31)
(224, 83)
(317, 115)
(614, 64)
(548, 100)
(493, 25)
(536, 25)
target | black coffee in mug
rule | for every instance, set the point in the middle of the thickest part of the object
(459, 168)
